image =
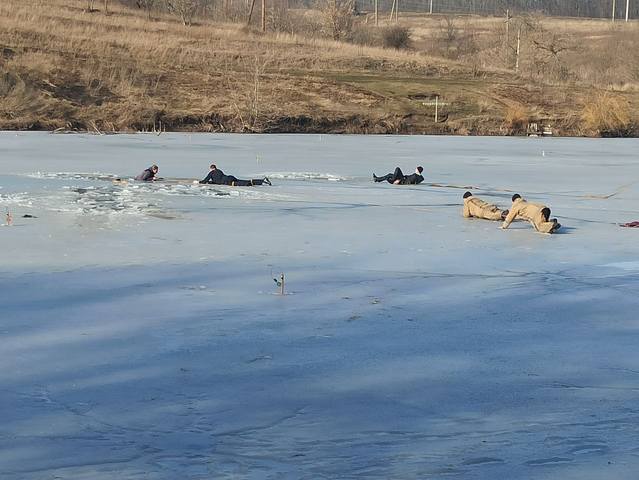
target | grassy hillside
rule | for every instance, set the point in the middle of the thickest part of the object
(63, 68)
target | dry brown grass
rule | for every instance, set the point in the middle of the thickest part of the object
(61, 67)
(122, 71)
(608, 115)
(516, 118)
(591, 52)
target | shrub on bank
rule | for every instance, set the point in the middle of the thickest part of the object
(366, 35)
(607, 115)
(516, 118)
(397, 37)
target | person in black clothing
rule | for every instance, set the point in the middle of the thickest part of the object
(398, 178)
(149, 174)
(217, 177)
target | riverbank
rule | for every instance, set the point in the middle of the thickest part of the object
(64, 69)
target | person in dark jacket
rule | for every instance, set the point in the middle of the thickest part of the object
(398, 177)
(149, 174)
(217, 177)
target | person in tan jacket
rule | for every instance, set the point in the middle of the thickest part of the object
(538, 215)
(474, 207)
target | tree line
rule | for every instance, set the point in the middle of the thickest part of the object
(187, 10)
(569, 8)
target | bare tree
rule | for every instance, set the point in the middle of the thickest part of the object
(549, 48)
(545, 49)
(185, 9)
(244, 84)
(454, 40)
(338, 17)
(146, 5)
(449, 32)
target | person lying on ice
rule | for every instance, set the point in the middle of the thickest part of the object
(538, 215)
(474, 207)
(398, 178)
(217, 177)
(149, 174)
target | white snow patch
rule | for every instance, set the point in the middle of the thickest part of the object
(305, 176)
(632, 266)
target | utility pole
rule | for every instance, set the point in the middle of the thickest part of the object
(627, 9)
(430, 10)
(518, 49)
(507, 36)
(376, 15)
(614, 7)
(248, 22)
(264, 15)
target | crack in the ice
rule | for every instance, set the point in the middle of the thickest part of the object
(243, 431)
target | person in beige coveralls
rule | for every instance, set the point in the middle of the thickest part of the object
(537, 214)
(474, 207)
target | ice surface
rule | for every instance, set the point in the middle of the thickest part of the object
(141, 336)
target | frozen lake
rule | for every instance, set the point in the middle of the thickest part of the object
(141, 334)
